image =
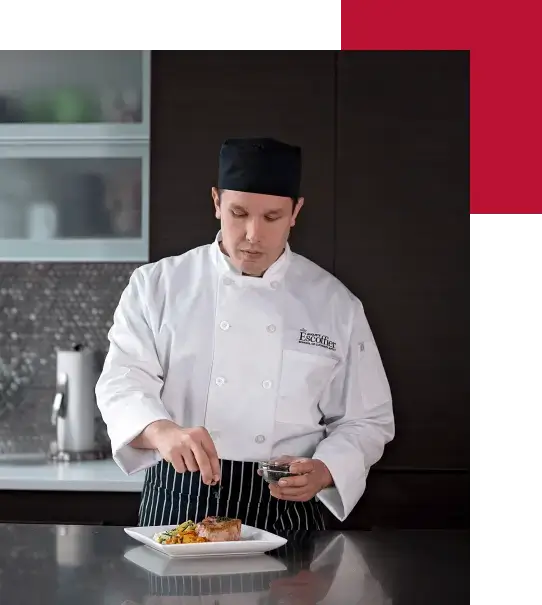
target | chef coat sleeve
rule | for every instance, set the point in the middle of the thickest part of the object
(357, 409)
(128, 390)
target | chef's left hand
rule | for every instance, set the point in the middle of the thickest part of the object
(312, 476)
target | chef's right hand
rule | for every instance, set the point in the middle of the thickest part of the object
(188, 449)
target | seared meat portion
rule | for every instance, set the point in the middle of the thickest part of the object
(219, 529)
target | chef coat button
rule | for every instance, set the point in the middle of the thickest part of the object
(220, 381)
(266, 384)
(228, 281)
(271, 328)
(224, 325)
(259, 439)
(274, 284)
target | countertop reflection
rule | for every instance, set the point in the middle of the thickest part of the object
(102, 565)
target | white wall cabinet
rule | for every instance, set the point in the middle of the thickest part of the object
(74, 155)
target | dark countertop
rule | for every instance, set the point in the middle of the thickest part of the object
(83, 565)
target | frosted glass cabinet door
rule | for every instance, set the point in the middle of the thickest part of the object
(71, 87)
(65, 198)
(74, 155)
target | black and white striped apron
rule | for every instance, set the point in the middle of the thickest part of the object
(170, 498)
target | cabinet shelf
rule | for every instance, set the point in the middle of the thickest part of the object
(75, 148)
(38, 134)
(75, 250)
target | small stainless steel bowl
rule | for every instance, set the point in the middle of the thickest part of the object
(272, 472)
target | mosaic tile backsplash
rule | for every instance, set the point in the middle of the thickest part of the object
(45, 306)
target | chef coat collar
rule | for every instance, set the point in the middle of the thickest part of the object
(225, 267)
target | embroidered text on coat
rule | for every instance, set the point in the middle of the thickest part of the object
(316, 340)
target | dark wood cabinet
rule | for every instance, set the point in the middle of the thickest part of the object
(69, 507)
(201, 98)
(402, 237)
(411, 499)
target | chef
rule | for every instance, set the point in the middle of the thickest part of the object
(241, 351)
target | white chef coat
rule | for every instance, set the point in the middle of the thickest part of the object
(282, 364)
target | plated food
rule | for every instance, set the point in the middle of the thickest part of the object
(219, 529)
(185, 533)
(210, 529)
(212, 537)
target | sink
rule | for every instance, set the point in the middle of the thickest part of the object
(23, 459)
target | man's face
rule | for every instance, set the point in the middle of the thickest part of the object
(255, 227)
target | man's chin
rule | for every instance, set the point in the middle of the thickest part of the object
(252, 269)
(253, 272)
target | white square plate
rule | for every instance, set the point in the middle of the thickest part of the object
(253, 541)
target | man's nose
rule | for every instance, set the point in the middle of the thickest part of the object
(253, 234)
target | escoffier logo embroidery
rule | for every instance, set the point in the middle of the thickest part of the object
(316, 340)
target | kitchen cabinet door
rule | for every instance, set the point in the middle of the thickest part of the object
(74, 155)
(201, 98)
(402, 237)
(69, 507)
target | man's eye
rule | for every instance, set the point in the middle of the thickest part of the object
(238, 214)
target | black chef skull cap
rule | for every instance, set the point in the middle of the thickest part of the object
(260, 165)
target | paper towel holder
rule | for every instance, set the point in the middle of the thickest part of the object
(74, 406)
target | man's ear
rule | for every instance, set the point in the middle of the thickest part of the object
(296, 211)
(216, 201)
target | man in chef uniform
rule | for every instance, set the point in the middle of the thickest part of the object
(241, 351)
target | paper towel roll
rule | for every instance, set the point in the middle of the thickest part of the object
(75, 429)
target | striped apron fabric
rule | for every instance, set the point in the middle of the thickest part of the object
(212, 585)
(170, 498)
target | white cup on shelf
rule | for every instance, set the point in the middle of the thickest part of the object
(42, 221)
